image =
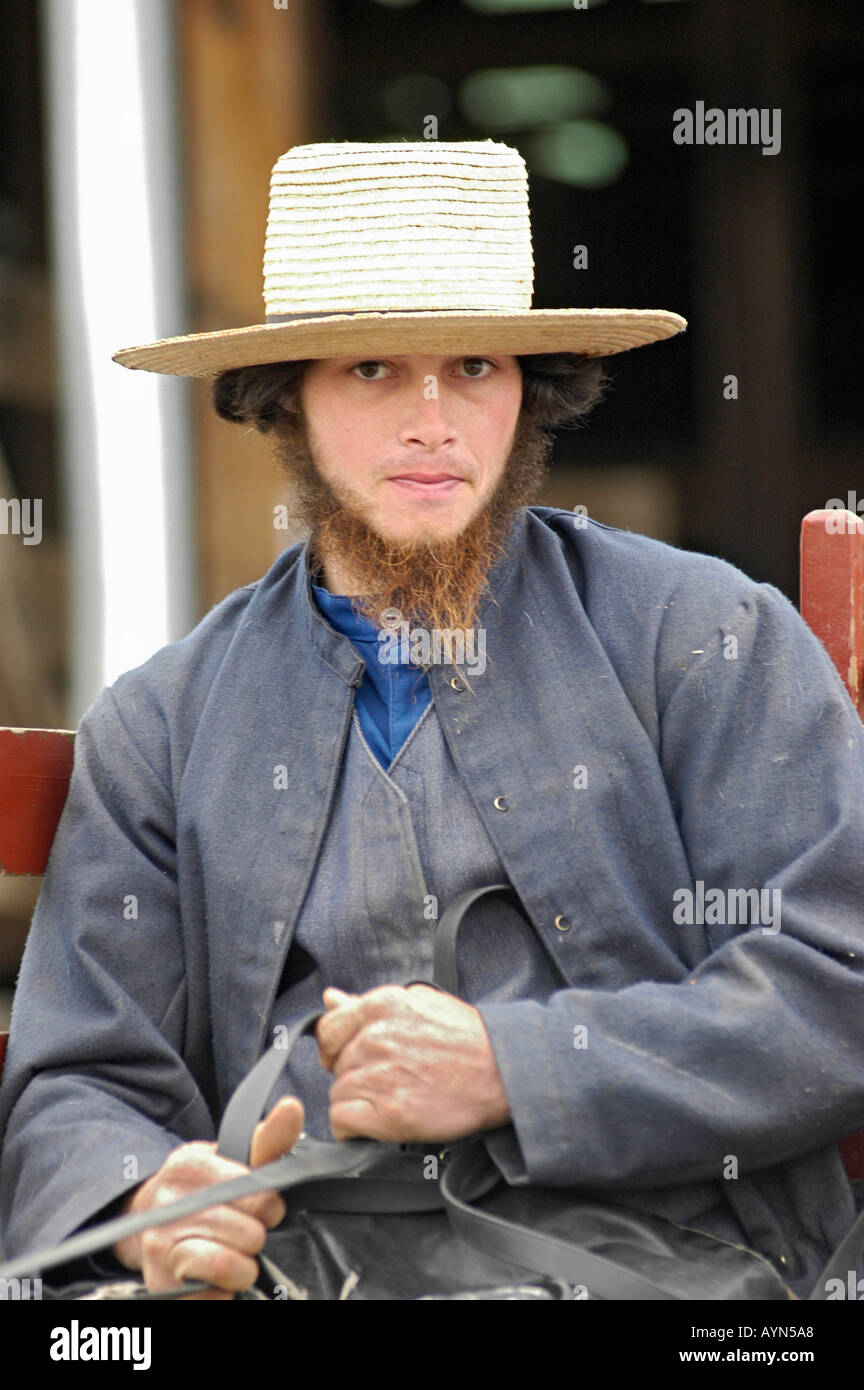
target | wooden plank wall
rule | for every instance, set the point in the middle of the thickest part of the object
(250, 74)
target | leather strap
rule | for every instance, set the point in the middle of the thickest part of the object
(246, 1106)
(444, 966)
(470, 1175)
(325, 1171)
(245, 1109)
(318, 1160)
(321, 1176)
(311, 1160)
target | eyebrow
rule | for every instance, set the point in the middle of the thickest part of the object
(403, 357)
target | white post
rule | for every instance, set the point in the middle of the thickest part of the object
(117, 248)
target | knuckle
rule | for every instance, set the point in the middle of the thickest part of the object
(378, 1036)
(257, 1239)
(380, 1001)
(192, 1155)
(392, 1115)
(154, 1244)
(225, 1270)
(196, 1259)
(389, 994)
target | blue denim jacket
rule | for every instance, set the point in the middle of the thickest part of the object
(649, 719)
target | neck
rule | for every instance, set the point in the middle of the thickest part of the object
(336, 579)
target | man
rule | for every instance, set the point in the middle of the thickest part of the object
(265, 812)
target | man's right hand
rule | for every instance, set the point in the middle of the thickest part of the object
(217, 1244)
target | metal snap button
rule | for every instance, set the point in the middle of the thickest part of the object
(562, 923)
(457, 683)
(500, 803)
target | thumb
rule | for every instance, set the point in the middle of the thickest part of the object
(333, 997)
(278, 1133)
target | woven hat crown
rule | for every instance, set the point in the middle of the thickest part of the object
(396, 248)
(410, 226)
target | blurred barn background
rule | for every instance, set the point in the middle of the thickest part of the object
(137, 142)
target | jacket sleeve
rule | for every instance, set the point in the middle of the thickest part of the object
(96, 1090)
(758, 1052)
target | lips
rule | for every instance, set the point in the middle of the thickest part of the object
(426, 485)
(424, 477)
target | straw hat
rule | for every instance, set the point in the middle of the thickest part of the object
(397, 248)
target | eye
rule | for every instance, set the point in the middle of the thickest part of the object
(470, 362)
(360, 367)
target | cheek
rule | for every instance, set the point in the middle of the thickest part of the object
(507, 404)
(331, 430)
(501, 423)
(345, 447)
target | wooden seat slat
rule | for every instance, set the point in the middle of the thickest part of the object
(35, 767)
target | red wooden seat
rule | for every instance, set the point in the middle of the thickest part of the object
(832, 591)
(35, 767)
(35, 764)
(832, 604)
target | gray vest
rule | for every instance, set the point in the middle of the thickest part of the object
(399, 845)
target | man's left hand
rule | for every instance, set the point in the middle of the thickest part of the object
(410, 1064)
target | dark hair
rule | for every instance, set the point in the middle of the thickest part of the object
(558, 388)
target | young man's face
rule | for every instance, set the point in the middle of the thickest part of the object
(408, 472)
(419, 443)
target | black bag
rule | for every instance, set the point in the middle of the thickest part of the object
(364, 1223)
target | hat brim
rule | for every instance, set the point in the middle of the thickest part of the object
(593, 332)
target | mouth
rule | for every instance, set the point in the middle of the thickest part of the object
(426, 484)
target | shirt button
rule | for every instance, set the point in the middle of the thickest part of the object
(562, 923)
(500, 803)
(457, 683)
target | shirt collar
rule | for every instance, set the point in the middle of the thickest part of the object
(337, 608)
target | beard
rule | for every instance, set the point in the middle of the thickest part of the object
(436, 583)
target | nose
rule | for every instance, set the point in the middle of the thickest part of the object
(427, 422)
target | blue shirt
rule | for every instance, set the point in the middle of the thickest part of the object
(391, 696)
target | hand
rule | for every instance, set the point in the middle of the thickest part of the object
(218, 1243)
(409, 1064)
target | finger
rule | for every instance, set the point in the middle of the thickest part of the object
(360, 1051)
(222, 1225)
(220, 1241)
(333, 997)
(336, 1027)
(168, 1281)
(266, 1207)
(217, 1264)
(277, 1134)
(351, 1119)
(207, 1166)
